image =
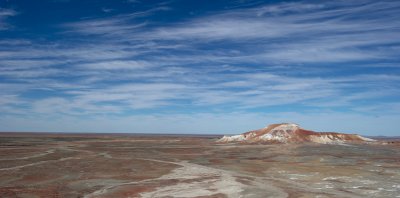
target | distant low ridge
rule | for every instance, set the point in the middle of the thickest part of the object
(293, 133)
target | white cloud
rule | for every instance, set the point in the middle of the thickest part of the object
(235, 60)
(107, 10)
(113, 26)
(296, 32)
(4, 14)
(116, 65)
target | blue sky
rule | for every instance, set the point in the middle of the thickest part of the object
(183, 66)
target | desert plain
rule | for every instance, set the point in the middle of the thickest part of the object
(122, 165)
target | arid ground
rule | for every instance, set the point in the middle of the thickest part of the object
(61, 165)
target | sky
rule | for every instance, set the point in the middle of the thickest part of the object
(186, 66)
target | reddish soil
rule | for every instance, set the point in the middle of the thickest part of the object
(128, 166)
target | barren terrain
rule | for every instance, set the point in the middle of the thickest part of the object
(61, 165)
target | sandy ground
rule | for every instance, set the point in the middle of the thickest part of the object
(178, 166)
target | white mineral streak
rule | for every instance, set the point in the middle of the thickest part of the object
(286, 132)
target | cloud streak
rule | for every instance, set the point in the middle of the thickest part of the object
(4, 14)
(303, 57)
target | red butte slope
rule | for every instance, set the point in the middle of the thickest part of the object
(292, 133)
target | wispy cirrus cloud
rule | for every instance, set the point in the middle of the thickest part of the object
(115, 25)
(285, 33)
(282, 57)
(4, 14)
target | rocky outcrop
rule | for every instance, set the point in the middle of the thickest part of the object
(293, 133)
